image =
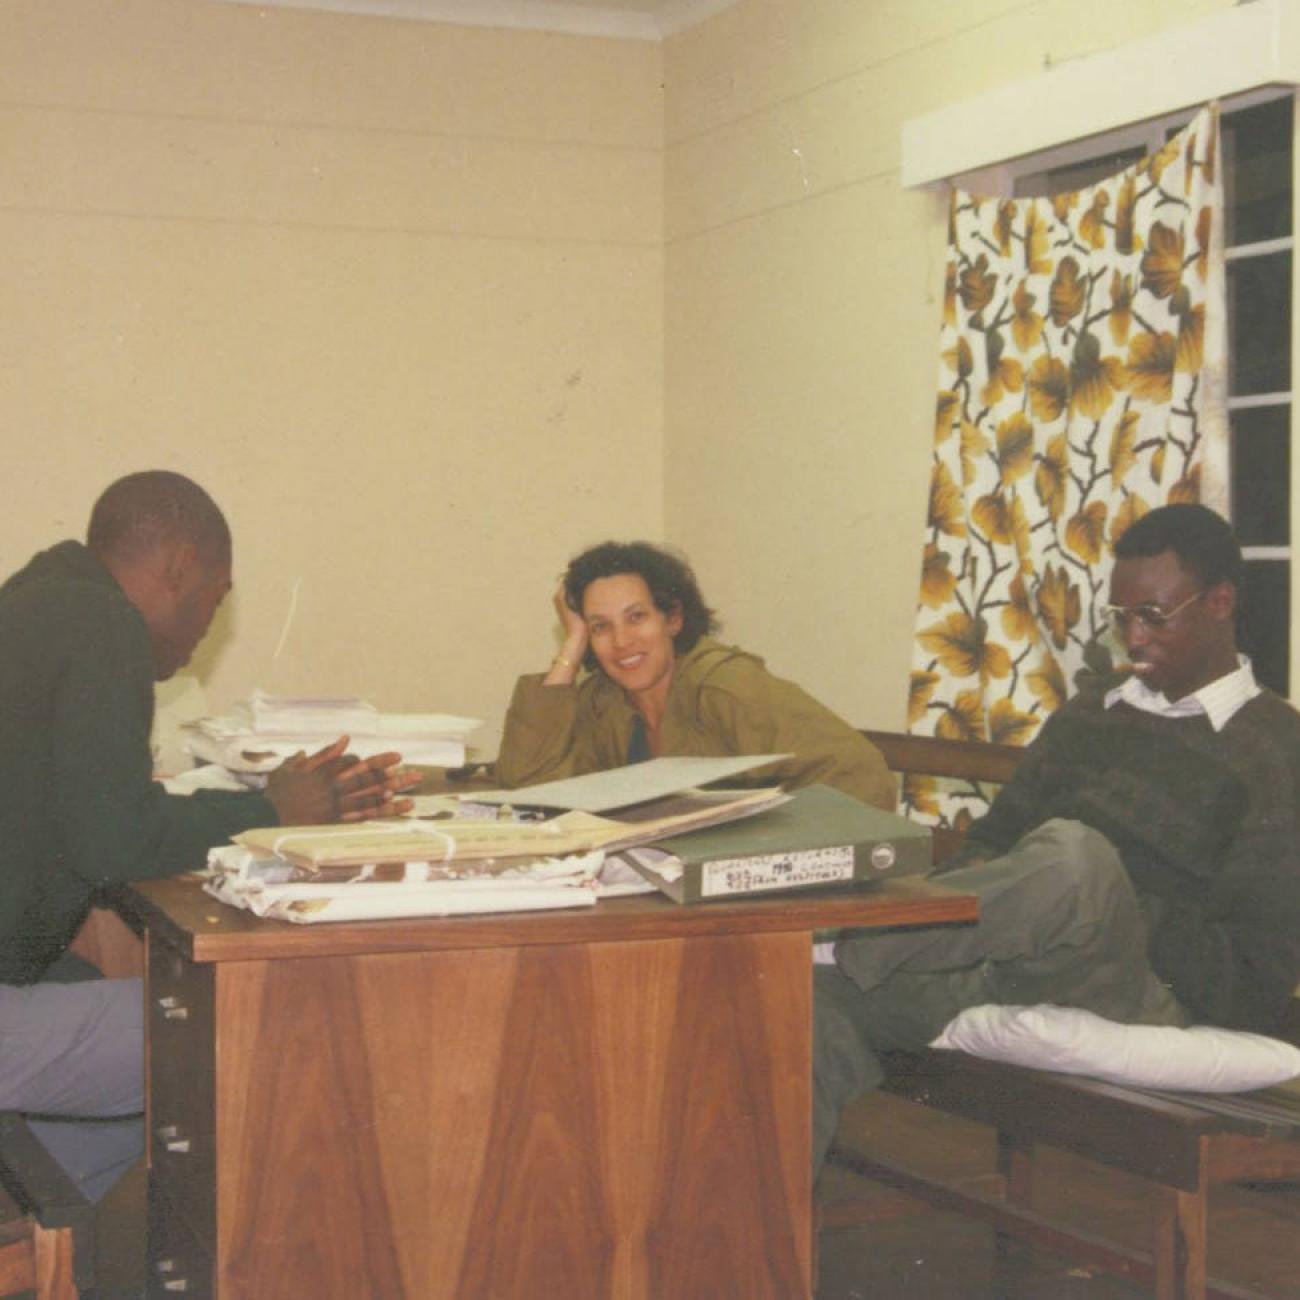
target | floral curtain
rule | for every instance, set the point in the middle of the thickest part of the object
(1081, 382)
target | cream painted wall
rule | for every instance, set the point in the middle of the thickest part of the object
(802, 288)
(392, 291)
(399, 295)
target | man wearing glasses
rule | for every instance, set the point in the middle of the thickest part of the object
(1144, 861)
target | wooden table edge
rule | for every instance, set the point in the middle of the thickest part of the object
(204, 929)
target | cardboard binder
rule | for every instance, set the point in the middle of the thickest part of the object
(820, 837)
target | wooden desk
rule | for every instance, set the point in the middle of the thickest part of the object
(606, 1103)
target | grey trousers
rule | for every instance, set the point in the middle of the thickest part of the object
(76, 1050)
(1059, 922)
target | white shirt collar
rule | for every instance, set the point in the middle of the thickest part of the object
(1218, 701)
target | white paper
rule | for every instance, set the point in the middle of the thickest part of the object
(265, 887)
(308, 904)
(758, 873)
(318, 716)
(618, 787)
(223, 740)
(660, 861)
(431, 807)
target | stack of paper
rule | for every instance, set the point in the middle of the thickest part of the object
(274, 887)
(434, 867)
(339, 852)
(299, 715)
(260, 733)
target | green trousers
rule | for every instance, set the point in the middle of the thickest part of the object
(1059, 922)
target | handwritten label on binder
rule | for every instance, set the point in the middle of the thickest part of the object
(754, 875)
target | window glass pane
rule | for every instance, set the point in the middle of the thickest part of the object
(1259, 324)
(1257, 172)
(1261, 475)
(1265, 619)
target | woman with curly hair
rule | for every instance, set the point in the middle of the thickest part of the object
(658, 683)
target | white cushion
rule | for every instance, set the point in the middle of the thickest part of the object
(1199, 1059)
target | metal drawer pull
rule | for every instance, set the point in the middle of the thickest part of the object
(169, 1135)
(174, 1284)
(173, 1009)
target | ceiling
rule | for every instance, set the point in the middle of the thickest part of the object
(648, 20)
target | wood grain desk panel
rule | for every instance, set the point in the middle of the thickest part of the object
(611, 1103)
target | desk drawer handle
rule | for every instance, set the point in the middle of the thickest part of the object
(173, 1009)
(175, 1283)
(169, 1135)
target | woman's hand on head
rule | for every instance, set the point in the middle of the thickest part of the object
(575, 626)
(568, 659)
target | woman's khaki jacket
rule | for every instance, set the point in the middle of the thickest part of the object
(721, 700)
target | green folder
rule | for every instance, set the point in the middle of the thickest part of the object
(820, 837)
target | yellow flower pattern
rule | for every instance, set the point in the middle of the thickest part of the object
(921, 794)
(937, 580)
(1053, 474)
(918, 697)
(1075, 334)
(1008, 726)
(1121, 307)
(1162, 263)
(1123, 447)
(1151, 367)
(1049, 389)
(1094, 379)
(1026, 324)
(963, 719)
(1015, 447)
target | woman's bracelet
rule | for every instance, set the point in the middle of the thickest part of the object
(563, 662)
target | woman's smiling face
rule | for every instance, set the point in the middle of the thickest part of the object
(631, 637)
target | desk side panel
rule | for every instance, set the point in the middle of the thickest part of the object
(614, 1120)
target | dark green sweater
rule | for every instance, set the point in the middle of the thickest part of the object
(1207, 826)
(78, 806)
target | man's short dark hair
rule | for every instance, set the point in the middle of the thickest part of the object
(1202, 540)
(153, 508)
(668, 575)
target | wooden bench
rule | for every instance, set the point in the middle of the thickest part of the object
(46, 1225)
(1182, 1144)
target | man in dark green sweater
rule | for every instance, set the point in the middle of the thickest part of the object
(84, 633)
(1144, 861)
